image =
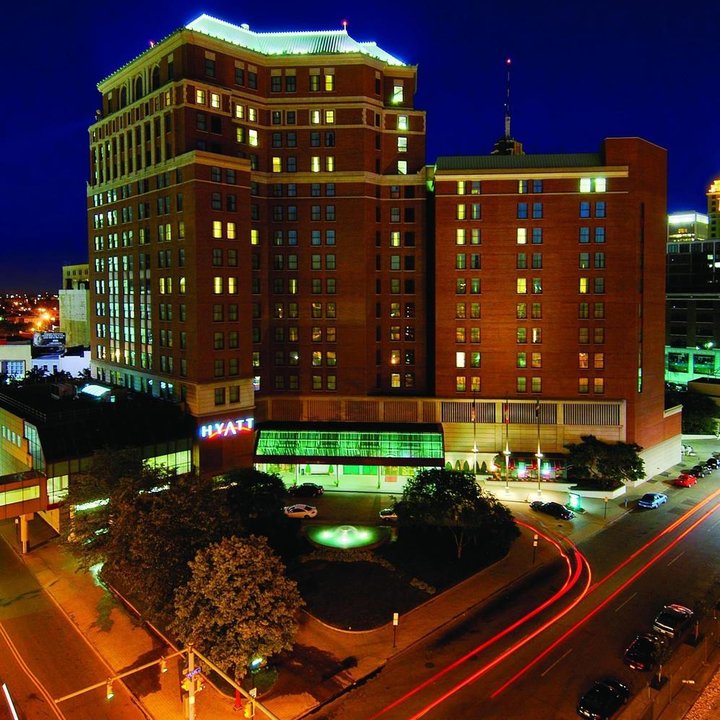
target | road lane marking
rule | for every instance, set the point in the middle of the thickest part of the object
(677, 557)
(622, 605)
(562, 657)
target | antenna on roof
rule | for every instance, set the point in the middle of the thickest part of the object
(506, 145)
(344, 24)
(508, 63)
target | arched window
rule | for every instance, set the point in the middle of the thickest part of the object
(123, 97)
(155, 78)
(138, 88)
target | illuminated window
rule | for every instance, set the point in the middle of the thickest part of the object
(460, 383)
(329, 117)
(460, 211)
(583, 285)
(583, 361)
(217, 285)
(402, 144)
(521, 360)
(277, 164)
(402, 122)
(536, 360)
(475, 310)
(521, 385)
(599, 361)
(232, 285)
(200, 97)
(230, 230)
(315, 117)
(521, 335)
(537, 285)
(252, 114)
(521, 311)
(460, 236)
(395, 238)
(585, 184)
(395, 380)
(217, 229)
(522, 186)
(329, 83)
(583, 385)
(475, 359)
(460, 286)
(460, 359)
(536, 385)
(330, 163)
(521, 235)
(460, 310)
(214, 100)
(398, 93)
(537, 335)
(599, 386)
(315, 163)
(402, 167)
(475, 236)
(600, 184)
(240, 112)
(394, 357)
(460, 335)
(521, 286)
(253, 137)
(254, 237)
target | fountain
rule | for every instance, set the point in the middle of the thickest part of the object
(346, 537)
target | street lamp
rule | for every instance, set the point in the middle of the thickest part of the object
(506, 453)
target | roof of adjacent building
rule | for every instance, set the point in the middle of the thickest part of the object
(313, 42)
(508, 162)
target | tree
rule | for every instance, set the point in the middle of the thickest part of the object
(604, 465)
(163, 531)
(238, 604)
(699, 412)
(252, 493)
(450, 501)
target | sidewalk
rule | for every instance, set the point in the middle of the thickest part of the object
(329, 660)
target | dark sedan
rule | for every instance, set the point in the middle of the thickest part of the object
(603, 699)
(673, 620)
(645, 651)
(307, 489)
(552, 508)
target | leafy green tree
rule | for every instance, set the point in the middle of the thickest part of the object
(451, 502)
(700, 413)
(252, 493)
(604, 465)
(238, 604)
(97, 499)
(163, 531)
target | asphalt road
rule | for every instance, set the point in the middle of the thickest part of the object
(618, 606)
(42, 656)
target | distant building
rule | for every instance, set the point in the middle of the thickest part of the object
(268, 248)
(74, 305)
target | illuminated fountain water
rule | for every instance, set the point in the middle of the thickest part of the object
(346, 537)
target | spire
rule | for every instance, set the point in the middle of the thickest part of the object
(508, 63)
(506, 145)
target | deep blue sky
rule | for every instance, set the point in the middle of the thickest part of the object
(582, 71)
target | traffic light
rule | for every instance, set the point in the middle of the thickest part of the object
(109, 692)
(249, 711)
(199, 683)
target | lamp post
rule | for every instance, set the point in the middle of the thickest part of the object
(473, 417)
(538, 454)
(506, 453)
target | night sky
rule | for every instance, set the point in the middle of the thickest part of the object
(581, 71)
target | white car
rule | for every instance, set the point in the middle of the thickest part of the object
(388, 515)
(300, 511)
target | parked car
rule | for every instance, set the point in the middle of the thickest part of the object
(673, 620)
(712, 463)
(603, 699)
(699, 471)
(645, 651)
(652, 500)
(300, 511)
(685, 480)
(552, 508)
(388, 515)
(306, 489)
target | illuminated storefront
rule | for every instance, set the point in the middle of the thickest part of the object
(349, 456)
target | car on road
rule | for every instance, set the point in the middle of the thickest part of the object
(552, 508)
(652, 500)
(699, 471)
(673, 620)
(712, 463)
(388, 515)
(645, 651)
(300, 511)
(306, 489)
(603, 699)
(685, 480)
